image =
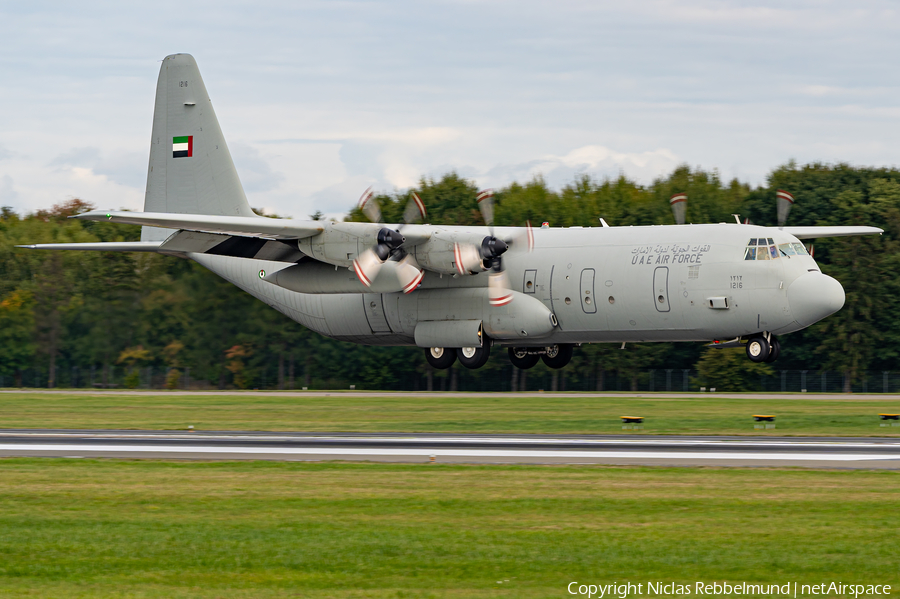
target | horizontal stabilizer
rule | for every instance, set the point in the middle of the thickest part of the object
(107, 246)
(245, 226)
(817, 232)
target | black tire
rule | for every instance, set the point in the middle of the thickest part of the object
(478, 355)
(757, 349)
(520, 358)
(558, 356)
(774, 350)
(441, 358)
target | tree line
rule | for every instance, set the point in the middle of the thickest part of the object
(126, 312)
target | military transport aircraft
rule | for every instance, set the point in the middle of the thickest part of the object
(456, 291)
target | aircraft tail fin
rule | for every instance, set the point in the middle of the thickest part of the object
(190, 170)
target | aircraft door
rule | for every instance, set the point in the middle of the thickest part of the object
(576, 309)
(588, 298)
(374, 307)
(661, 288)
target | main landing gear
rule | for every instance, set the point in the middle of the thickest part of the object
(763, 348)
(442, 358)
(554, 356)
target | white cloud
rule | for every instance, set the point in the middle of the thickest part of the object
(255, 171)
(8, 194)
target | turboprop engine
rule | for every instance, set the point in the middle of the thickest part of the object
(316, 277)
(339, 244)
(451, 253)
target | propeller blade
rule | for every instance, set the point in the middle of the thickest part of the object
(486, 205)
(523, 239)
(678, 202)
(369, 206)
(499, 293)
(415, 210)
(366, 266)
(410, 276)
(467, 258)
(785, 201)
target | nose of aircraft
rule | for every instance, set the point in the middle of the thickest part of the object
(814, 296)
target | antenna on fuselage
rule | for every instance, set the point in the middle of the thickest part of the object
(678, 202)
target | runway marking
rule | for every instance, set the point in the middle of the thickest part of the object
(425, 452)
(468, 439)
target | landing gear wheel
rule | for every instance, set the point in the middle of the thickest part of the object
(474, 357)
(441, 358)
(774, 350)
(558, 356)
(757, 349)
(520, 358)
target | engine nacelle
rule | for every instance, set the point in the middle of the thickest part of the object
(321, 278)
(339, 244)
(451, 253)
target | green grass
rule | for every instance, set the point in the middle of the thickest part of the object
(487, 414)
(85, 528)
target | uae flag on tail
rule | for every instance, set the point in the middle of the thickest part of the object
(183, 147)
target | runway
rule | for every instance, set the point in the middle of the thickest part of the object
(632, 449)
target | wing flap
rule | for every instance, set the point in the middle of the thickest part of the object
(234, 246)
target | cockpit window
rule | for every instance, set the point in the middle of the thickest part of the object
(787, 249)
(761, 248)
(800, 249)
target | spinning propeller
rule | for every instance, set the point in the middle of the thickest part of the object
(678, 202)
(488, 256)
(785, 201)
(388, 244)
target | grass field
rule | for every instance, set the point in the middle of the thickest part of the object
(85, 528)
(498, 413)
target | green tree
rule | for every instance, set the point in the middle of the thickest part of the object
(727, 369)
(16, 334)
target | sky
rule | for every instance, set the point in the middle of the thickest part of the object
(320, 100)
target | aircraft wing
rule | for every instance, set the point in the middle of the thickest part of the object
(103, 246)
(244, 226)
(817, 232)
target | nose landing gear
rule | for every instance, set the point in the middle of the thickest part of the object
(774, 350)
(763, 348)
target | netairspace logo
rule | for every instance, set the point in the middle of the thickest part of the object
(790, 589)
